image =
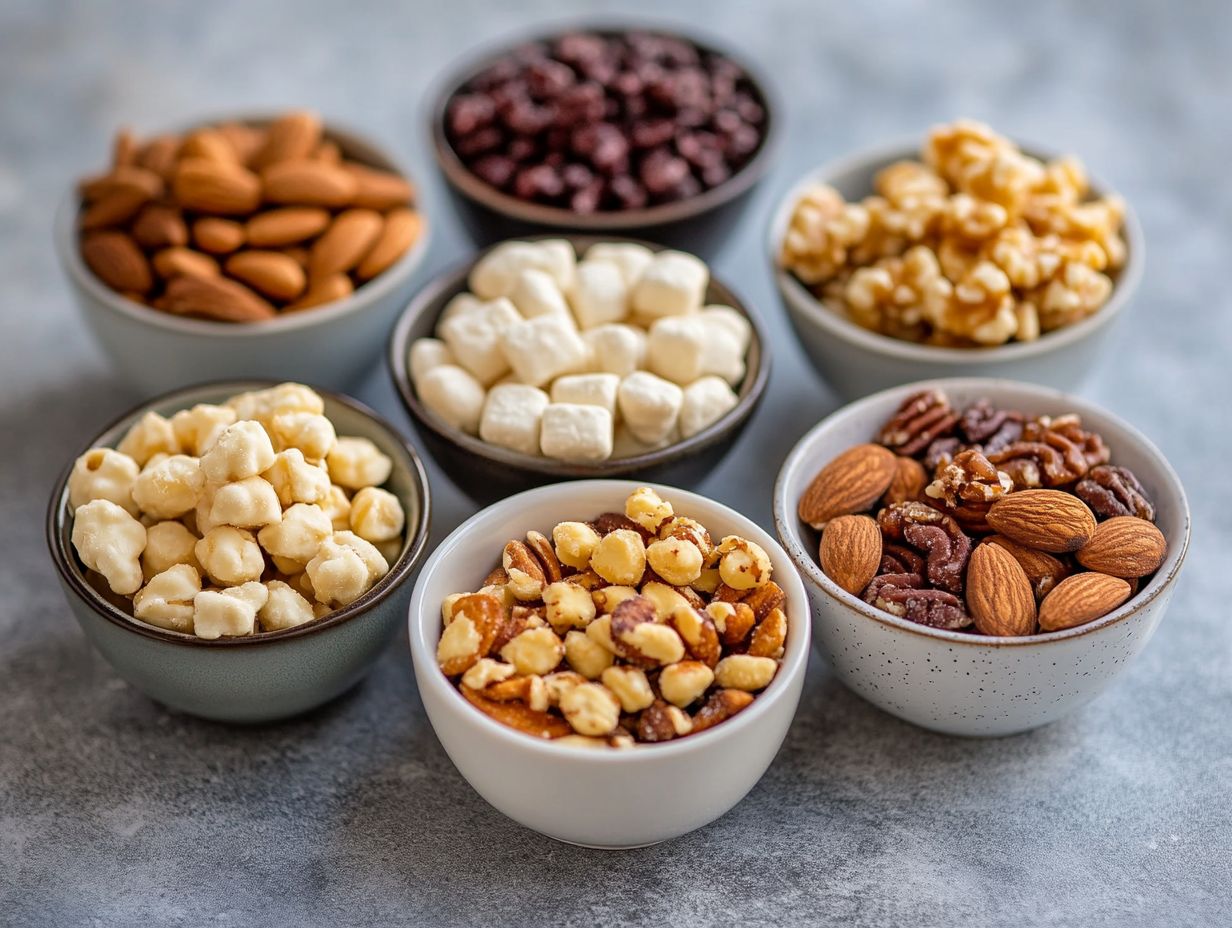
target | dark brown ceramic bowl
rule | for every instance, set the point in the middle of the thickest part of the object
(488, 472)
(697, 224)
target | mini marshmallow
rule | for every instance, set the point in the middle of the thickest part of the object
(632, 259)
(616, 349)
(460, 305)
(600, 294)
(728, 319)
(496, 273)
(672, 284)
(573, 432)
(536, 293)
(626, 445)
(512, 415)
(649, 405)
(475, 339)
(559, 259)
(676, 348)
(454, 395)
(425, 354)
(705, 401)
(723, 356)
(587, 390)
(542, 349)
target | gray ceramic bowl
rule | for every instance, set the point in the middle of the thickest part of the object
(857, 362)
(488, 472)
(333, 344)
(271, 675)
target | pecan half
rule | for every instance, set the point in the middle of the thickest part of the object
(542, 548)
(902, 595)
(936, 534)
(1051, 453)
(639, 639)
(608, 522)
(1115, 491)
(899, 559)
(991, 428)
(921, 419)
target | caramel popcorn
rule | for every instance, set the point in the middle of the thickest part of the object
(976, 246)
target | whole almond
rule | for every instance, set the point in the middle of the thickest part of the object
(327, 151)
(308, 183)
(118, 196)
(1124, 546)
(999, 595)
(1042, 569)
(401, 230)
(159, 226)
(117, 261)
(124, 178)
(245, 140)
(380, 190)
(1080, 599)
(851, 482)
(324, 290)
(270, 272)
(159, 154)
(349, 238)
(851, 552)
(290, 137)
(216, 187)
(909, 481)
(218, 236)
(209, 144)
(1047, 520)
(215, 298)
(176, 262)
(277, 227)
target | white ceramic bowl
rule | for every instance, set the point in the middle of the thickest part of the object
(857, 362)
(332, 345)
(964, 684)
(603, 799)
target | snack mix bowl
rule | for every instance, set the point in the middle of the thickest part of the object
(488, 471)
(857, 361)
(600, 797)
(332, 342)
(268, 675)
(958, 682)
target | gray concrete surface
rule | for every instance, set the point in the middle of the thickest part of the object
(116, 812)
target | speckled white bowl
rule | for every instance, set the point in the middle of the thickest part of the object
(965, 684)
(602, 799)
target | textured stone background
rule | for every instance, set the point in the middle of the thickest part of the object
(114, 811)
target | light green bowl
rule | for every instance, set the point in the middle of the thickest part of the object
(272, 675)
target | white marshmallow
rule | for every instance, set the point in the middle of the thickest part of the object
(705, 401)
(723, 356)
(616, 349)
(600, 294)
(511, 417)
(474, 338)
(541, 349)
(460, 305)
(587, 390)
(672, 284)
(425, 354)
(536, 294)
(558, 258)
(676, 348)
(728, 319)
(454, 395)
(631, 258)
(627, 445)
(649, 405)
(573, 432)
(496, 273)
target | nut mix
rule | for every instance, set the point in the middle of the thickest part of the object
(632, 627)
(603, 122)
(230, 520)
(978, 245)
(984, 520)
(582, 360)
(238, 224)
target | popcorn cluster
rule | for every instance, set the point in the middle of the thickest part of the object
(229, 519)
(584, 360)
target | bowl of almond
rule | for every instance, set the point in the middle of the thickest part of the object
(270, 245)
(982, 556)
(634, 652)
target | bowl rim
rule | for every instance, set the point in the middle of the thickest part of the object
(463, 180)
(70, 574)
(834, 322)
(363, 297)
(400, 343)
(792, 668)
(786, 521)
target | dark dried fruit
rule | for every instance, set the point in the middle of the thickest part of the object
(921, 419)
(935, 534)
(1114, 491)
(903, 595)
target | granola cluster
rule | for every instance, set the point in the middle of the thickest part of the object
(978, 244)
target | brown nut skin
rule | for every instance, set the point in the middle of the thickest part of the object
(850, 483)
(850, 552)
(1080, 599)
(1047, 520)
(920, 420)
(999, 594)
(519, 716)
(720, 707)
(1043, 570)
(1124, 546)
(908, 482)
(770, 636)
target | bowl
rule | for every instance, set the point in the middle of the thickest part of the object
(857, 362)
(965, 684)
(611, 798)
(333, 344)
(268, 676)
(697, 224)
(489, 472)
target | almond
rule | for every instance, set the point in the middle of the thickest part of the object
(209, 144)
(174, 262)
(401, 230)
(308, 183)
(1047, 520)
(851, 552)
(1124, 546)
(290, 137)
(125, 178)
(286, 226)
(326, 290)
(245, 140)
(909, 481)
(116, 197)
(999, 595)
(851, 482)
(327, 151)
(1080, 599)
(124, 149)
(349, 238)
(159, 226)
(159, 154)
(216, 187)
(271, 272)
(218, 236)
(117, 261)
(215, 298)
(380, 190)
(1043, 570)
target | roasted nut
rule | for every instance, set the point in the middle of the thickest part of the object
(469, 635)
(908, 482)
(620, 558)
(568, 606)
(765, 599)
(720, 707)
(769, 636)
(665, 600)
(542, 549)
(485, 672)
(519, 716)
(677, 561)
(526, 577)
(630, 686)
(1042, 569)
(903, 595)
(647, 509)
(534, 651)
(745, 672)
(933, 532)
(591, 709)
(586, 655)
(743, 565)
(699, 634)
(966, 486)
(663, 722)
(684, 682)
(639, 639)
(920, 420)
(609, 597)
(1115, 491)
(575, 542)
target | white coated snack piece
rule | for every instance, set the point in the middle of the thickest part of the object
(630, 257)
(284, 608)
(357, 462)
(536, 293)
(110, 541)
(541, 349)
(676, 348)
(197, 428)
(248, 503)
(454, 395)
(496, 273)
(167, 598)
(600, 294)
(475, 339)
(577, 433)
(166, 545)
(242, 450)
(230, 555)
(588, 390)
(231, 612)
(376, 515)
(149, 435)
(264, 405)
(310, 433)
(426, 354)
(705, 401)
(512, 416)
(649, 406)
(295, 480)
(672, 284)
(103, 473)
(169, 486)
(731, 321)
(616, 348)
(299, 534)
